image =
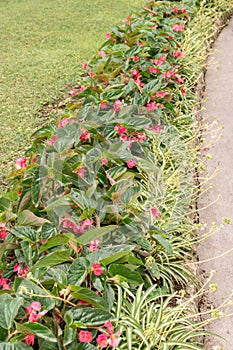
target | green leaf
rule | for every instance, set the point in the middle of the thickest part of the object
(27, 287)
(80, 198)
(129, 195)
(25, 233)
(89, 296)
(78, 271)
(86, 346)
(54, 258)
(87, 316)
(57, 275)
(108, 255)
(14, 346)
(28, 218)
(55, 241)
(164, 242)
(95, 233)
(37, 329)
(69, 335)
(9, 308)
(36, 186)
(120, 270)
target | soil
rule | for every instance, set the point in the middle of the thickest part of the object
(215, 206)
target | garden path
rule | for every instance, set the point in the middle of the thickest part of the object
(218, 105)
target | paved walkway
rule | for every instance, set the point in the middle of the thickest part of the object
(219, 91)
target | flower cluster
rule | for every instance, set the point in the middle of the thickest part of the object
(82, 228)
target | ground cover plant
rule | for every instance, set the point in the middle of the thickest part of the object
(43, 44)
(95, 224)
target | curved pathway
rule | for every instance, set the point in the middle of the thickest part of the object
(218, 103)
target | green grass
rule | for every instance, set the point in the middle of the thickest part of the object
(42, 44)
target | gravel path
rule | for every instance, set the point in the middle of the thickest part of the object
(219, 105)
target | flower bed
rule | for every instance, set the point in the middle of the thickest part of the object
(95, 224)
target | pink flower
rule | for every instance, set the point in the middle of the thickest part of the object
(179, 54)
(108, 325)
(124, 138)
(179, 80)
(52, 140)
(114, 340)
(94, 245)
(161, 94)
(102, 340)
(102, 53)
(156, 214)
(140, 44)
(3, 232)
(82, 88)
(104, 161)
(81, 172)
(73, 93)
(175, 9)
(91, 74)
(206, 149)
(135, 73)
(85, 65)
(20, 271)
(160, 61)
(21, 163)
(157, 128)
(169, 74)
(131, 163)
(29, 339)
(85, 135)
(178, 27)
(85, 337)
(103, 104)
(151, 106)
(108, 35)
(136, 58)
(87, 223)
(6, 286)
(183, 91)
(117, 106)
(97, 269)
(141, 136)
(63, 122)
(153, 70)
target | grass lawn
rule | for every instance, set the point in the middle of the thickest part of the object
(42, 44)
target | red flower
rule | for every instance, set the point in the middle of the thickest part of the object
(97, 269)
(85, 65)
(182, 89)
(108, 35)
(124, 138)
(21, 163)
(3, 232)
(178, 27)
(102, 340)
(85, 135)
(131, 163)
(85, 337)
(29, 339)
(136, 58)
(120, 129)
